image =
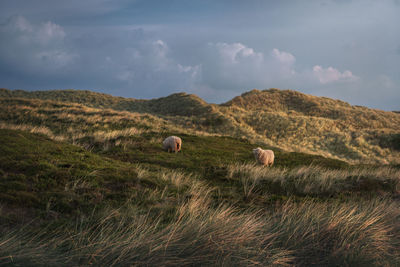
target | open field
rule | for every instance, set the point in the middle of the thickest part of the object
(90, 184)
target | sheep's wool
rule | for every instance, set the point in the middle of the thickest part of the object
(172, 144)
(264, 157)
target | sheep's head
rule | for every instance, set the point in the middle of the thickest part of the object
(256, 150)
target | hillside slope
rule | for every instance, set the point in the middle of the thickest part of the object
(139, 205)
(296, 121)
(280, 118)
(82, 185)
(53, 178)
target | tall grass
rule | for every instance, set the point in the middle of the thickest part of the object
(184, 223)
(314, 180)
(363, 233)
(196, 235)
(305, 234)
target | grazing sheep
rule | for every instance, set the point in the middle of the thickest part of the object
(172, 144)
(264, 157)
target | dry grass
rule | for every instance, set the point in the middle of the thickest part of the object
(314, 180)
(305, 234)
(76, 123)
(317, 125)
(287, 119)
(180, 220)
(318, 135)
(103, 136)
(362, 233)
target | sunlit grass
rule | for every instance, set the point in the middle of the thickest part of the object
(303, 234)
(314, 180)
(285, 119)
(91, 185)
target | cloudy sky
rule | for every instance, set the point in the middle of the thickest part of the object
(217, 49)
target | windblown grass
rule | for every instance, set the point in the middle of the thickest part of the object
(340, 234)
(314, 180)
(305, 234)
(133, 214)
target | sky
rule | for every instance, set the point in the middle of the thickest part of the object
(216, 49)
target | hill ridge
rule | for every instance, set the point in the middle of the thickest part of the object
(246, 100)
(287, 119)
(191, 104)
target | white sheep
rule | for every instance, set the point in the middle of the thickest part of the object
(172, 144)
(264, 157)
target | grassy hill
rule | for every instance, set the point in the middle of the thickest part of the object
(333, 128)
(63, 205)
(84, 181)
(286, 119)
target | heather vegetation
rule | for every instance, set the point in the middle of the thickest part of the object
(84, 181)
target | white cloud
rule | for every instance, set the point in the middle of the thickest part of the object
(284, 64)
(236, 52)
(18, 28)
(160, 48)
(194, 71)
(236, 67)
(331, 74)
(33, 47)
(283, 57)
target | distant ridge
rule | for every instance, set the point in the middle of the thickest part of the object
(174, 104)
(189, 104)
(285, 100)
(85, 97)
(293, 102)
(287, 119)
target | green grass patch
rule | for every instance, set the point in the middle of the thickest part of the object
(38, 172)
